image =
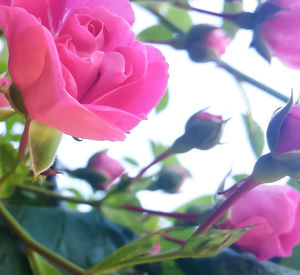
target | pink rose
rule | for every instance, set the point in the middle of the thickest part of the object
(103, 164)
(281, 32)
(78, 65)
(274, 213)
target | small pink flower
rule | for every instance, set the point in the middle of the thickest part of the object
(274, 213)
(281, 32)
(103, 164)
(217, 40)
(79, 67)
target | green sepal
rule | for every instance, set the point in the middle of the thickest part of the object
(43, 144)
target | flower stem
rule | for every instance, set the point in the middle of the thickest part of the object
(158, 159)
(30, 243)
(24, 141)
(249, 184)
(191, 217)
(227, 16)
(239, 75)
(55, 195)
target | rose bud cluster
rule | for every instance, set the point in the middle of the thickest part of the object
(78, 66)
(170, 179)
(273, 213)
(100, 171)
(206, 43)
(277, 31)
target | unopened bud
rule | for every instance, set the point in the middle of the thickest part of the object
(202, 131)
(170, 179)
(206, 43)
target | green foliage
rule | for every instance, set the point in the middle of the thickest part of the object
(43, 143)
(293, 261)
(255, 135)
(158, 149)
(231, 7)
(156, 33)
(83, 238)
(163, 103)
(40, 266)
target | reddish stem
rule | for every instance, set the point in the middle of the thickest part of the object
(219, 212)
(191, 217)
(172, 239)
(158, 159)
(227, 16)
(24, 141)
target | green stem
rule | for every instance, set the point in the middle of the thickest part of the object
(242, 77)
(30, 243)
(52, 194)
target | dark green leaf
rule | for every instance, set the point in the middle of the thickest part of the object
(163, 102)
(12, 257)
(229, 262)
(82, 238)
(293, 261)
(156, 33)
(174, 13)
(255, 135)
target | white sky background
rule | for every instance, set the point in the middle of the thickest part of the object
(193, 87)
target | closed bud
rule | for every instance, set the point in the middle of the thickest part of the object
(100, 171)
(206, 43)
(202, 131)
(170, 179)
(283, 137)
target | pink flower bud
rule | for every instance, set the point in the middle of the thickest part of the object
(274, 213)
(284, 138)
(103, 164)
(280, 31)
(206, 43)
(4, 84)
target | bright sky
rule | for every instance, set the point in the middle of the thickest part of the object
(193, 87)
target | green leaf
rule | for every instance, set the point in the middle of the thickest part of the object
(255, 135)
(156, 33)
(211, 243)
(12, 257)
(230, 262)
(293, 261)
(8, 157)
(294, 184)
(185, 22)
(4, 57)
(128, 253)
(6, 113)
(131, 161)
(40, 266)
(158, 149)
(163, 102)
(231, 7)
(43, 143)
(83, 238)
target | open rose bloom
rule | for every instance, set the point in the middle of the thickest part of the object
(78, 66)
(274, 213)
